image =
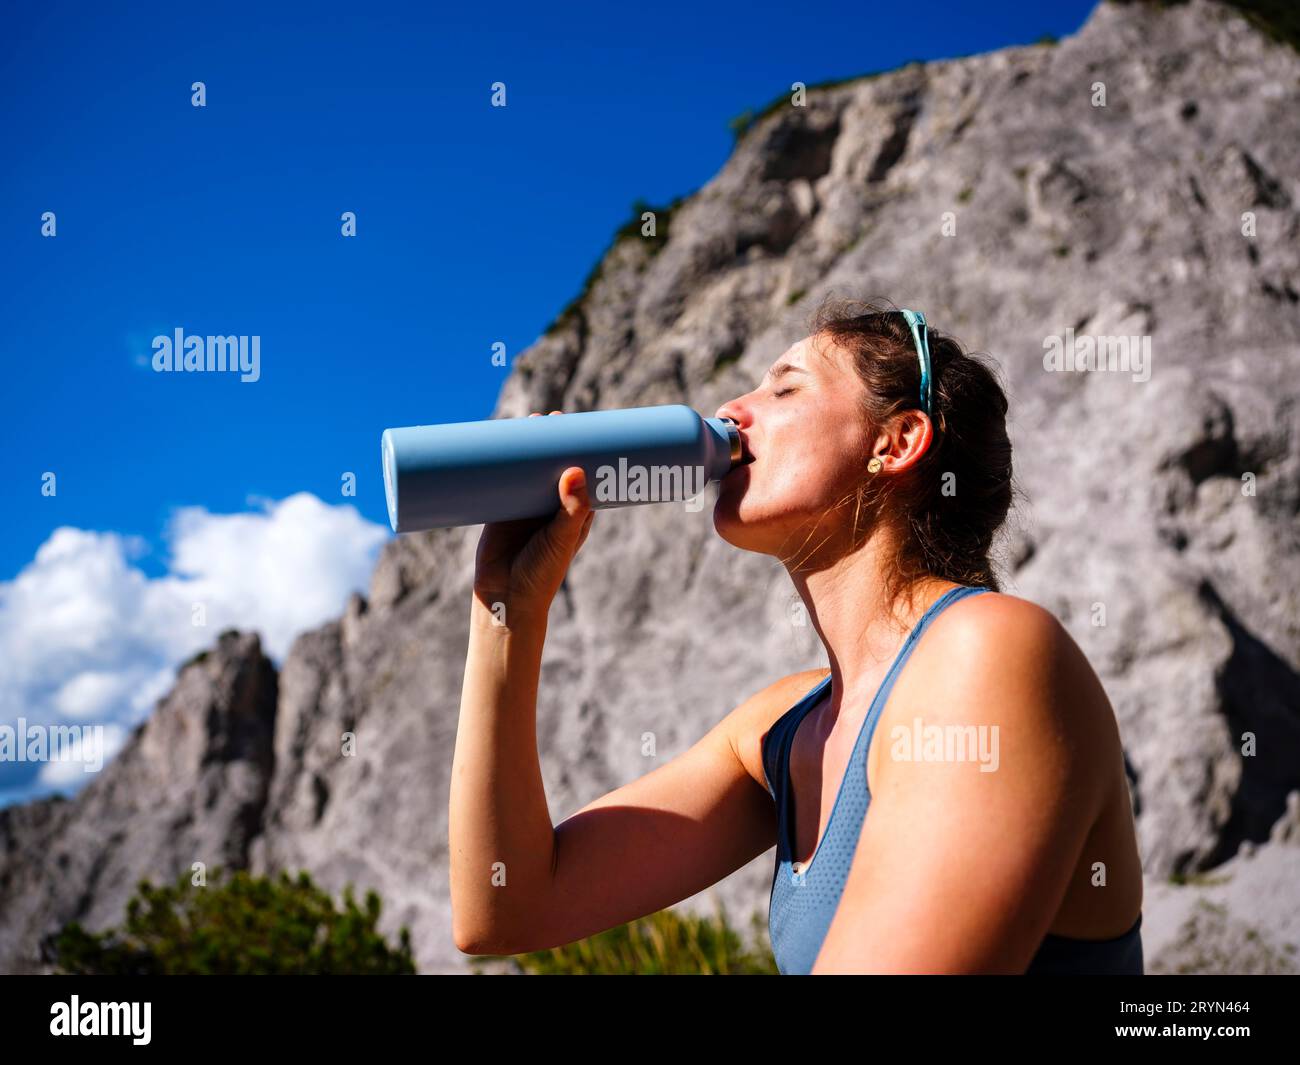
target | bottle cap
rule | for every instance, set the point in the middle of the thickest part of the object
(733, 436)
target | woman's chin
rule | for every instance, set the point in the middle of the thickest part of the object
(734, 527)
(726, 521)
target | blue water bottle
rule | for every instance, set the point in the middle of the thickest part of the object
(468, 473)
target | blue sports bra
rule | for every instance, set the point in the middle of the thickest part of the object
(802, 904)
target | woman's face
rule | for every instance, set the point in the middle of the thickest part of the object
(803, 427)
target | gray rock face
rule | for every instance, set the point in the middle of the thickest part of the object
(190, 786)
(1159, 518)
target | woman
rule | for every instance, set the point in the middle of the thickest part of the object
(989, 828)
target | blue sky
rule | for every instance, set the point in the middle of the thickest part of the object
(475, 224)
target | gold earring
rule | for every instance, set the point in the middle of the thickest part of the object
(874, 465)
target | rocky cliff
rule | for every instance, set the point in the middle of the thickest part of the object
(994, 192)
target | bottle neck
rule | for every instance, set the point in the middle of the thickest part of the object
(727, 435)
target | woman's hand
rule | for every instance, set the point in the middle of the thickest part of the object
(522, 563)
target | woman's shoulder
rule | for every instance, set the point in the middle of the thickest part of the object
(995, 650)
(993, 608)
(996, 625)
(753, 719)
(762, 710)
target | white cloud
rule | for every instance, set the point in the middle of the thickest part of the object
(90, 694)
(83, 756)
(280, 572)
(87, 637)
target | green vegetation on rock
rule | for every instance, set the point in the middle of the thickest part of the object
(629, 230)
(665, 943)
(240, 925)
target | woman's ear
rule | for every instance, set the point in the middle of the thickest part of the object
(919, 434)
(906, 440)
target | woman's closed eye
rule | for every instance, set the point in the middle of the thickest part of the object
(782, 391)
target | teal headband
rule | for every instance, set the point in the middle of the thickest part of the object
(921, 336)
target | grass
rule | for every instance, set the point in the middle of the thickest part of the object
(664, 944)
(1198, 949)
(1198, 879)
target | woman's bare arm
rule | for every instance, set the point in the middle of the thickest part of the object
(673, 831)
(501, 840)
(518, 883)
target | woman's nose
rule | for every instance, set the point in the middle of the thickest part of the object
(735, 410)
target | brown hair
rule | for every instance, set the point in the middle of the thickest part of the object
(947, 508)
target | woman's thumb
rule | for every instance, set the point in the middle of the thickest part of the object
(574, 498)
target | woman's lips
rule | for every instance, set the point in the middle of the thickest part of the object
(745, 462)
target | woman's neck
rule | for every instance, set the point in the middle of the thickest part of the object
(848, 602)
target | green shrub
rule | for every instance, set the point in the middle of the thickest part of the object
(741, 123)
(242, 925)
(665, 943)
